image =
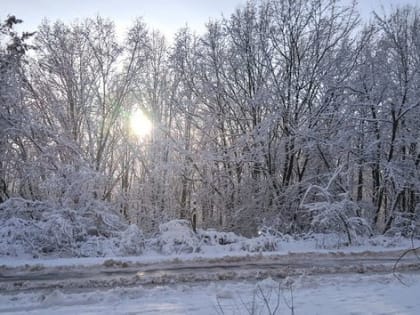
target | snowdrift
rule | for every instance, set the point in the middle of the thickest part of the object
(32, 229)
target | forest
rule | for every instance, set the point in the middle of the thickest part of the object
(290, 116)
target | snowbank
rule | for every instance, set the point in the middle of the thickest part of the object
(35, 229)
(38, 230)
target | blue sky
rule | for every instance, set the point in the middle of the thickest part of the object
(165, 15)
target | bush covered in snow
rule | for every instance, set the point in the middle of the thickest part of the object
(264, 242)
(41, 228)
(212, 237)
(177, 236)
(340, 217)
(132, 241)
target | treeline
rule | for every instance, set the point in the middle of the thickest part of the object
(292, 115)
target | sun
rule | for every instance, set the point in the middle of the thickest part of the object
(140, 124)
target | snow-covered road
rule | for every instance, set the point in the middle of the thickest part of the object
(310, 283)
(114, 273)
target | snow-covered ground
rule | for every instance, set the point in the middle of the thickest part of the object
(221, 273)
(294, 283)
(337, 294)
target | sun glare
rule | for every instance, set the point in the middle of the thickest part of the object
(140, 125)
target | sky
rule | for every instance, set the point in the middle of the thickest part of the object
(166, 15)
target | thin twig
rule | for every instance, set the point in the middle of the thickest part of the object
(394, 269)
(219, 308)
(278, 299)
(266, 302)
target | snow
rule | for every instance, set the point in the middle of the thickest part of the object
(185, 246)
(342, 294)
(179, 272)
(39, 229)
(176, 236)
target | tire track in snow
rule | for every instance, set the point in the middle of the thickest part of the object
(114, 273)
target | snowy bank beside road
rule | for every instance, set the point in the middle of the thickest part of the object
(33, 229)
(177, 241)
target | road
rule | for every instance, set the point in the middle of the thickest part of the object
(114, 273)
